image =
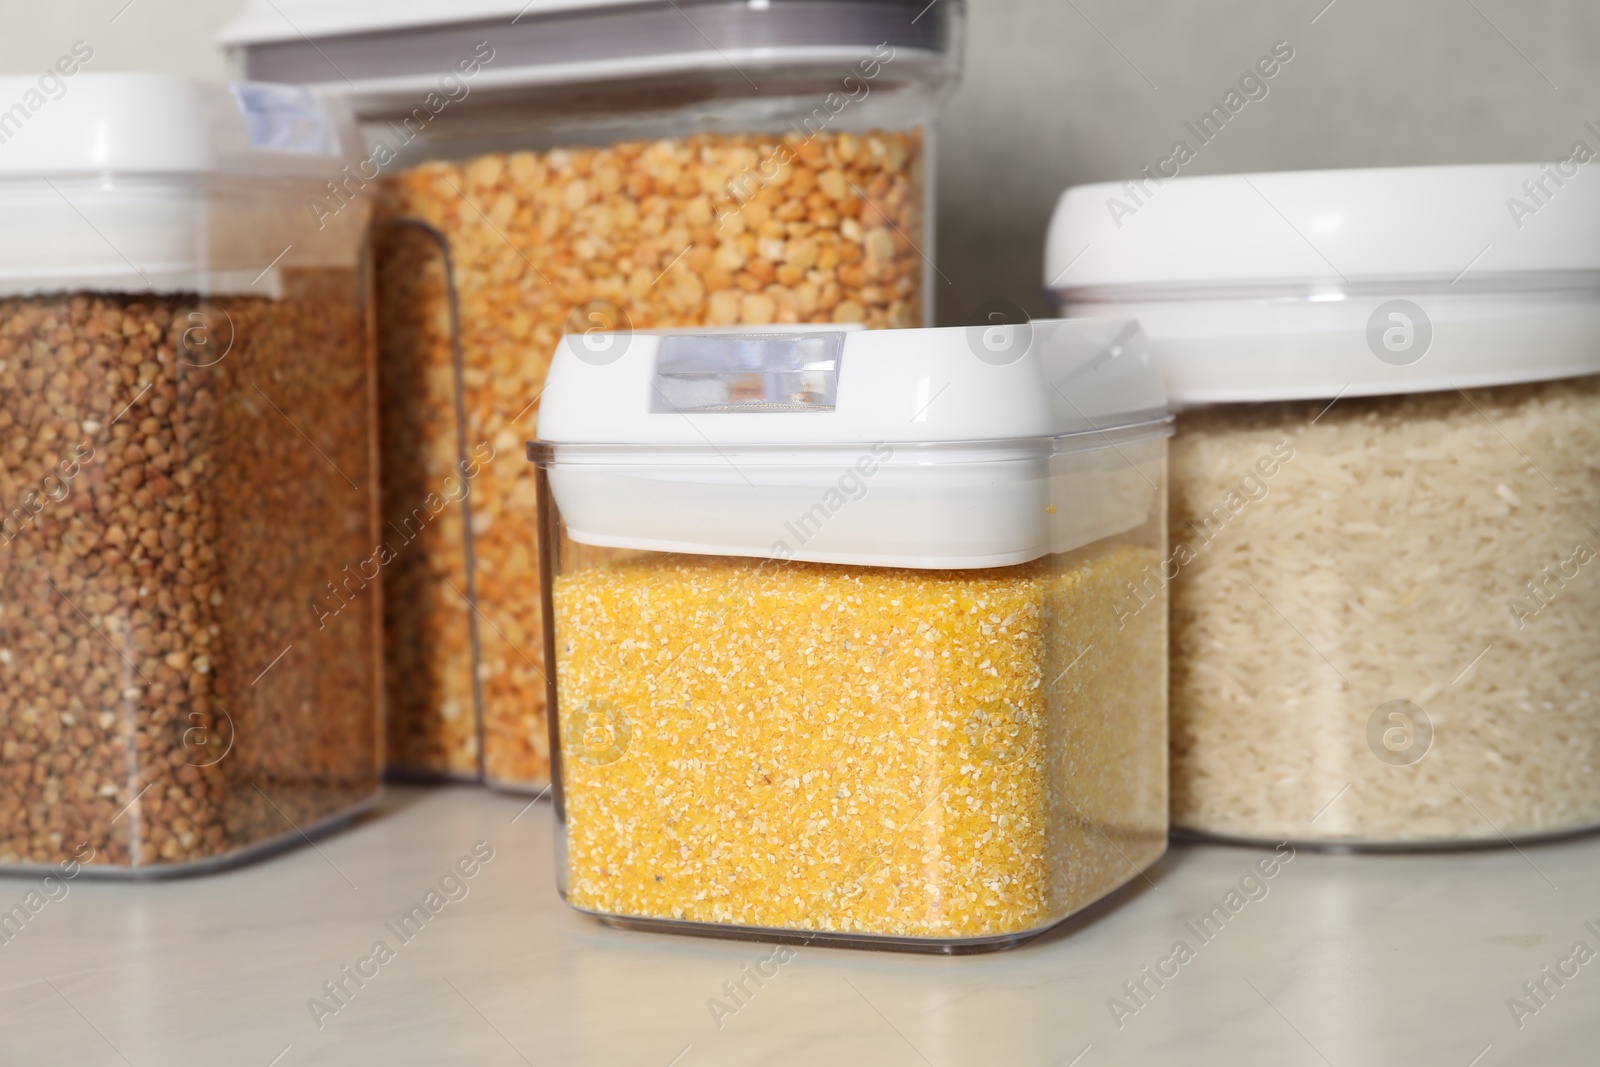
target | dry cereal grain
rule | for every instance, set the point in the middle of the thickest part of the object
(927, 754)
(1399, 543)
(673, 233)
(193, 508)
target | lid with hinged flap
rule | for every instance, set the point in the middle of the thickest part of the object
(963, 447)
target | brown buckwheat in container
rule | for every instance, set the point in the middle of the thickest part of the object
(589, 166)
(189, 658)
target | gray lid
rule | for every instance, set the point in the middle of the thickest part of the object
(376, 52)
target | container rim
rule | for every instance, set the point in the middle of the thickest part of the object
(112, 181)
(1331, 288)
(906, 453)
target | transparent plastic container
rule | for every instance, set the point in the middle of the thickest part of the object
(844, 656)
(1385, 621)
(593, 166)
(189, 659)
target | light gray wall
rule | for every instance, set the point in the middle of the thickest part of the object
(163, 35)
(1058, 92)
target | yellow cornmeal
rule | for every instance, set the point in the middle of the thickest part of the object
(859, 750)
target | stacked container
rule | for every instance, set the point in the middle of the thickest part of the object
(591, 166)
(840, 640)
(1385, 491)
(189, 659)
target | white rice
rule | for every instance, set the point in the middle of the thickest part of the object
(1377, 564)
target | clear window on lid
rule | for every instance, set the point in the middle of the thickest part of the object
(747, 372)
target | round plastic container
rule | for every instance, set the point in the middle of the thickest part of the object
(1385, 491)
(842, 642)
(189, 658)
(592, 165)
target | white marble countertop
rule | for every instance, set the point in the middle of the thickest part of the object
(1347, 960)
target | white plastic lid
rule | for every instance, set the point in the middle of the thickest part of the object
(921, 448)
(151, 182)
(1342, 282)
(386, 53)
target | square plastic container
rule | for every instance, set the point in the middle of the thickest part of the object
(844, 633)
(189, 662)
(579, 166)
(1385, 615)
